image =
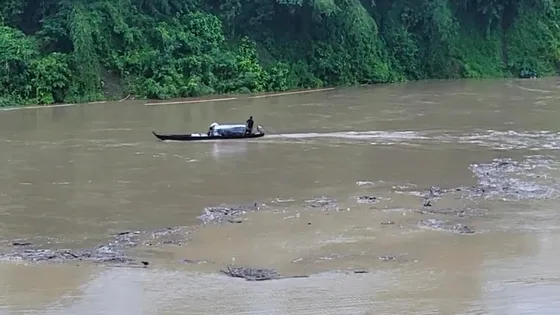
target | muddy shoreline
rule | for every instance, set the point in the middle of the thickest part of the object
(501, 179)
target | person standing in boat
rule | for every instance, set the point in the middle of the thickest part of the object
(211, 129)
(249, 127)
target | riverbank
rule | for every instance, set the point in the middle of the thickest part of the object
(233, 97)
(237, 97)
(225, 97)
(189, 100)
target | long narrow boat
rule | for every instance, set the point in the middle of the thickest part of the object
(202, 136)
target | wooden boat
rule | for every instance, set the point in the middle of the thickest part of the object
(225, 132)
(203, 136)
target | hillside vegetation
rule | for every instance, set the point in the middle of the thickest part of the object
(78, 50)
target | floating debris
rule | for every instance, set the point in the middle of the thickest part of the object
(280, 200)
(196, 261)
(367, 199)
(462, 229)
(435, 192)
(226, 212)
(102, 254)
(365, 183)
(507, 179)
(324, 203)
(167, 236)
(387, 258)
(440, 225)
(431, 194)
(18, 243)
(471, 212)
(251, 274)
(255, 274)
(110, 252)
(387, 223)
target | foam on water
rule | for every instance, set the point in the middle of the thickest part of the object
(513, 140)
(500, 140)
(357, 135)
(505, 139)
(507, 179)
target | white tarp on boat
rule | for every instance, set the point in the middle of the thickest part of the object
(228, 130)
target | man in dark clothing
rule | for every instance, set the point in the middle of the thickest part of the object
(249, 127)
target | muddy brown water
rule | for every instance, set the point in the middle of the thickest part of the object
(72, 176)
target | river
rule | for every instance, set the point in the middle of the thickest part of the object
(73, 176)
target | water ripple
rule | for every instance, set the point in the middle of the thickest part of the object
(507, 179)
(499, 140)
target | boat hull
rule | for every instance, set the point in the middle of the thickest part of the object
(202, 137)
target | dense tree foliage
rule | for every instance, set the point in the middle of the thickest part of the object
(78, 50)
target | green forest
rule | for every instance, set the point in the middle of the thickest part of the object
(55, 51)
